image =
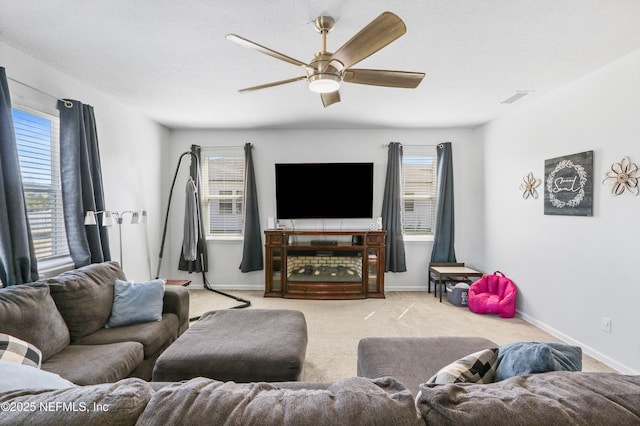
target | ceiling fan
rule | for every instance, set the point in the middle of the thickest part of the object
(327, 70)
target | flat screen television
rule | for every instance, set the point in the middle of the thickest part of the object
(324, 190)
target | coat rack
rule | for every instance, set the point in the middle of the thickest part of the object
(200, 237)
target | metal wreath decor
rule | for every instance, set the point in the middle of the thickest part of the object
(581, 173)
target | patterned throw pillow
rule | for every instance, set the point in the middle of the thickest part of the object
(18, 351)
(479, 367)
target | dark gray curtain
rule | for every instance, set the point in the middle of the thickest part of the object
(201, 264)
(18, 264)
(81, 178)
(392, 211)
(252, 247)
(444, 235)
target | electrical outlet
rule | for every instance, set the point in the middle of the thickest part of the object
(606, 324)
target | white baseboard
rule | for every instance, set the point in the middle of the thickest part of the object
(405, 288)
(624, 369)
(228, 287)
(253, 287)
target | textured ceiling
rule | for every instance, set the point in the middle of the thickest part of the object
(170, 59)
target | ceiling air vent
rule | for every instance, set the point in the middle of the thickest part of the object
(516, 96)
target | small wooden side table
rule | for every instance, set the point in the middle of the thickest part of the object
(183, 283)
(441, 272)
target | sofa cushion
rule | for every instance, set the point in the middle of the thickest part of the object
(152, 335)
(107, 404)
(84, 296)
(350, 401)
(20, 377)
(520, 358)
(93, 364)
(554, 398)
(478, 367)
(18, 351)
(29, 313)
(135, 303)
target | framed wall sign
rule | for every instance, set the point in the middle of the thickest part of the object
(568, 188)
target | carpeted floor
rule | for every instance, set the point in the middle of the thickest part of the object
(336, 326)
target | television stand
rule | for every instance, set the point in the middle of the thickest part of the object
(341, 265)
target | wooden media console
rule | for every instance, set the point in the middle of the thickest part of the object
(324, 264)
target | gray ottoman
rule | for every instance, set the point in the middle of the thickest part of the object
(253, 345)
(413, 360)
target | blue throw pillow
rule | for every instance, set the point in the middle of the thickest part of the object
(517, 359)
(135, 303)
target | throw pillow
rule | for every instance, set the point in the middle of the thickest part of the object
(520, 358)
(84, 296)
(135, 303)
(21, 377)
(479, 367)
(15, 350)
(28, 312)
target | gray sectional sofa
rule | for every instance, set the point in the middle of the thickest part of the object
(394, 393)
(553, 398)
(65, 317)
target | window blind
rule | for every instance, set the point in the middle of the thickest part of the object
(37, 137)
(223, 175)
(419, 176)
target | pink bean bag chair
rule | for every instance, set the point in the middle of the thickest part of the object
(493, 294)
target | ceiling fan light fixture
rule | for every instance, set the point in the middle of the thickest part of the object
(324, 83)
(327, 70)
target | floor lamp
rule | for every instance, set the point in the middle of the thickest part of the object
(137, 217)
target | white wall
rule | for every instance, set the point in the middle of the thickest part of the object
(132, 150)
(281, 146)
(571, 271)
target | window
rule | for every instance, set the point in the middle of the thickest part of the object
(419, 189)
(37, 137)
(225, 205)
(223, 180)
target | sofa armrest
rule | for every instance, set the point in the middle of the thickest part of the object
(176, 301)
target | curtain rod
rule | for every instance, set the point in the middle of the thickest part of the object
(67, 103)
(386, 145)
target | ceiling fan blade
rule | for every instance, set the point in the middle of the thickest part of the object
(330, 98)
(386, 28)
(401, 79)
(262, 49)
(275, 83)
